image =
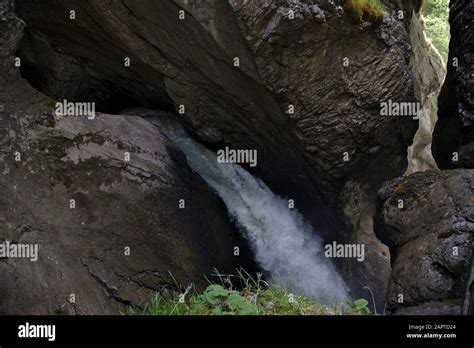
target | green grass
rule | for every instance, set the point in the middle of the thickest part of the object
(249, 297)
(365, 10)
(436, 16)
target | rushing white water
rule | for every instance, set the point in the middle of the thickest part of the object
(284, 245)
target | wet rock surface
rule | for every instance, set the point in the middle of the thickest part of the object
(427, 221)
(336, 72)
(124, 236)
(453, 138)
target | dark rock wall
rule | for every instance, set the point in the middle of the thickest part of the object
(454, 132)
(427, 220)
(337, 107)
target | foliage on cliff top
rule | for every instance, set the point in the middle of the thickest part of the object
(436, 16)
(251, 297)
(360, 10)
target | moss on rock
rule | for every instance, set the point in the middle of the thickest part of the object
(365, 10)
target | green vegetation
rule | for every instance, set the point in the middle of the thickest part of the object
(436, 16)
(403, 190)
(369, 10)
(252, 297)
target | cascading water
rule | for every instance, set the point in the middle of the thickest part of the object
(284, 245)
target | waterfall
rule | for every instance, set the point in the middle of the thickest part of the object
(284, 245)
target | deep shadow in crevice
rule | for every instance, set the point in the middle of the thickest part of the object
(61, 75)
(108, 97)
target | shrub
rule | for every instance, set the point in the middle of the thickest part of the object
(252, 297)
(435, 14)
(361, 10)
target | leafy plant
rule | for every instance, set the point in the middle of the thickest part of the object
(215, 293)
(242, 294)
(227, 301)
(362, 305)
(359, 306)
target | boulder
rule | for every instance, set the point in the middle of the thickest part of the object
(427, 220)
(453, 138)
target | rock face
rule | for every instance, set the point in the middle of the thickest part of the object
(109, 231)
(454, 132)
(428, 73)
(427, 220)
(335, 72)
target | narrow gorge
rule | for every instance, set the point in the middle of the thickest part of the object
(128, 200)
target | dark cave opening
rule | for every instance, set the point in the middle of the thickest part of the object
(62, 74)
(107, 96)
